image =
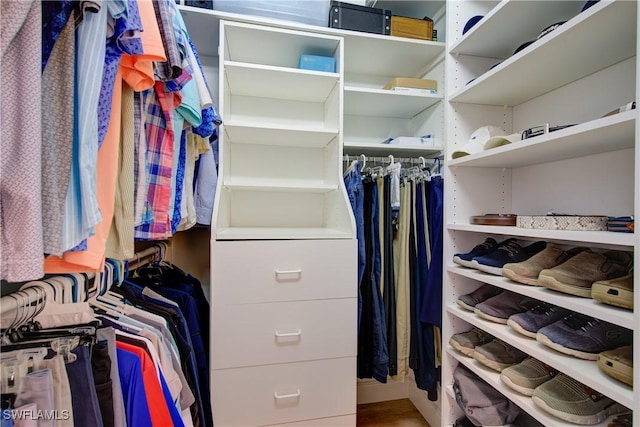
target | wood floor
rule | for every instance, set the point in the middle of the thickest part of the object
(393, 413)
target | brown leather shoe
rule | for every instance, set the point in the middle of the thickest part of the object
(576, 276)
(617, 292)
(618, 363)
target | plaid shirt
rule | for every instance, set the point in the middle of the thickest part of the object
(160, 141)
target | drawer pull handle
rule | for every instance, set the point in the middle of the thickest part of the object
(297, 333)
(287, 396)
(297, 271)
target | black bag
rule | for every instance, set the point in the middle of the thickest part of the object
(481, 403)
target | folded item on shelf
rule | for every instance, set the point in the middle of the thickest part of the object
(620, 224)
(494, 219)
(426, 140)
(563, 222)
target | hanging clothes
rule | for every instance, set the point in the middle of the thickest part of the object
(402, 274)
(139, 360)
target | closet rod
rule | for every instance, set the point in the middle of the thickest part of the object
(386, 159)
(156, 252)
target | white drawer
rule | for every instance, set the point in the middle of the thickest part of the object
(344, 421)
(287, 270)
(276, 394)
(260, 334)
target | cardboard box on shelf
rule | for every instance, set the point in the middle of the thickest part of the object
(405, 83)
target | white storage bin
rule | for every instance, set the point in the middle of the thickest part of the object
(313, 12)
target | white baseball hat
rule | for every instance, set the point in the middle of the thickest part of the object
(497, 141)
(477, 140)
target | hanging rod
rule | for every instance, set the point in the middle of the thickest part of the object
(387, 159)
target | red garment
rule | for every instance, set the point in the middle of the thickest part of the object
(160, 416)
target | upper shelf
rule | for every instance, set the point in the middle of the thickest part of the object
(511, 23)
(284, 83)
(370, 54)
(247, 132)
(386, 103)
(379, 149)
(597, 136)
(561, 57)
(606, 238)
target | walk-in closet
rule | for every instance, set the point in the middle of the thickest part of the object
(243, 213)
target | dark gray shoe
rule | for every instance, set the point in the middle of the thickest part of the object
(498, 355)
(500, 307)
(484, 292)
(466, 342)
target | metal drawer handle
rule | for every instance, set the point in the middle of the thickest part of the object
(297, 333)
(296, 271)
(287, 396)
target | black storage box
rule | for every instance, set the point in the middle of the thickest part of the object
(205, 4)
(347, 16)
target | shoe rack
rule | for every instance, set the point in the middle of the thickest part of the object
(576, 74)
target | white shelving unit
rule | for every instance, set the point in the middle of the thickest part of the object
(371, 114)
(283, 248)
(574, 75)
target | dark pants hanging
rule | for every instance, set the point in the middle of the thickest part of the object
(389, 293)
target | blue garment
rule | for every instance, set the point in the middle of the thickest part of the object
(55, 15)
(380, 361)
(431, 311)
(186, 345)
(176, 418)
(124, 39)
(82, 212)
(84, 398)
(425, 371)
(210, 118)
(135, 397)
(355, 191)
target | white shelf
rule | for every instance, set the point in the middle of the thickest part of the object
(240, 131)
(597, 136)
(385, 103)
(587, 306)
(584, 371)
(591, 41)
(625, 241)
(373, 54)
(267, 81)
(524, 402)
(274, 233)
(511, 23)
(378, 149)
(278, 185)
(370, 54)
